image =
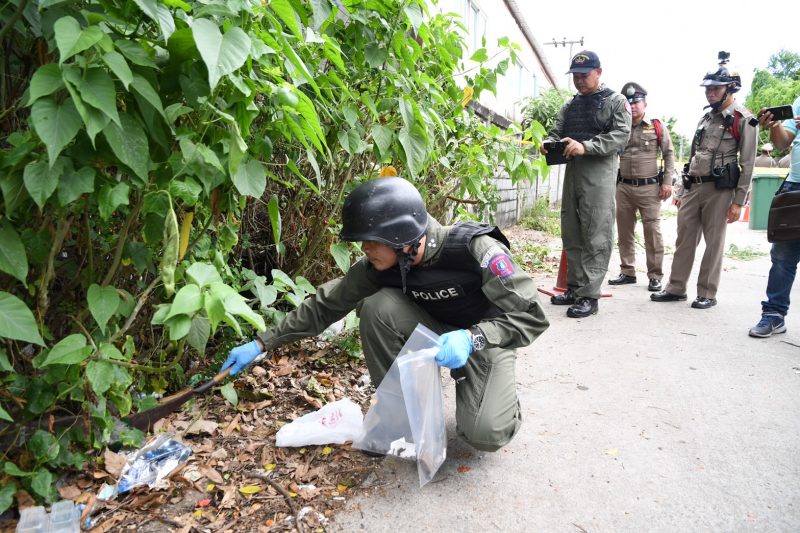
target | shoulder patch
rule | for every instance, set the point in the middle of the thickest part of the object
(628, 106)
(500, 265)
(488, 254)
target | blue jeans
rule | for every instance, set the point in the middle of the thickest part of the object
(785, 256)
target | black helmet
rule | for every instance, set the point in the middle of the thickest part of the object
(723, 75)
(388, 210)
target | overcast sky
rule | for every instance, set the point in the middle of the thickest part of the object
(667, 47)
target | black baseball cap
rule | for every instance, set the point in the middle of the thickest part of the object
(583, 62)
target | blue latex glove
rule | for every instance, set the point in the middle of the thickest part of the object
(455, 348)
(241, 356)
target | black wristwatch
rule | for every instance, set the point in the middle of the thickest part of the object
(478, 338)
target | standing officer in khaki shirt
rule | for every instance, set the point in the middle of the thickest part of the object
(641, 187)
(458, 281)
(715, 184)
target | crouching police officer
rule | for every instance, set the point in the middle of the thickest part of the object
(459, 281)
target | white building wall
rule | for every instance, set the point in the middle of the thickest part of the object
(491, 19)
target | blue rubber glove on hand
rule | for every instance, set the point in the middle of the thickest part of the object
(455, 348)
(241, 356)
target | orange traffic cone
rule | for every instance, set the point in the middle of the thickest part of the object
(561, 279)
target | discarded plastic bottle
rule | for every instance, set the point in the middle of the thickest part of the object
(64, 517)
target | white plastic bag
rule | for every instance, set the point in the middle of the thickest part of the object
(336, 423)
(407, 419)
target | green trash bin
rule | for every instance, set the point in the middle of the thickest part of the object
(762, 189)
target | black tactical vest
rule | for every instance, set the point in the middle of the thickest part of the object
(450, 289)
(580, 117)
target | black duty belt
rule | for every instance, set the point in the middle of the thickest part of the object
(639, 182)
(701, 179)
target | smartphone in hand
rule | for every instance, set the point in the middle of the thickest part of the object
(555, 152)
(783, 112)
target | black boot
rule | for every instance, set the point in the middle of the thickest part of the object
(568, 298)
(583, 307)
(622, 279)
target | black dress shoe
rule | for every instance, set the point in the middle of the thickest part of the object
(654, 285)
(701, 302)
(583, 307)
(622, 279)
(568, 298)
(665, 296)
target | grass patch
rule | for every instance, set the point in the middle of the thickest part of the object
(542, 218)
(743, 254)
(533, 257)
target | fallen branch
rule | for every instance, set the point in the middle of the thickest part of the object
(285, 494)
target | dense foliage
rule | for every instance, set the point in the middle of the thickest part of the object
(778, 84)
(172, 173)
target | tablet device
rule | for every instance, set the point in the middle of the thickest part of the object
(555, 152)
(783, 112)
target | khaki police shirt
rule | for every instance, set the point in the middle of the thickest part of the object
(523, 318)
(641, 159)
(719, 147)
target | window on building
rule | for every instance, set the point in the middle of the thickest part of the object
(475, 21)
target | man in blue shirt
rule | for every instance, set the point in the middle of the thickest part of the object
(785, 255)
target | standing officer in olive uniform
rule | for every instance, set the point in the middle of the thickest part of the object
(459, 281)
(641, 188)
(595, 125)
(715, 183)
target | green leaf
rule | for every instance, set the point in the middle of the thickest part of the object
(97, 90)
(415, 145)
(229, 393)
(179, 327)
(110, 198)
(45, 81)
(305, 285)
(480, 55)
(74, 184)
(16, 320)
(275, 218)
(169, 257)
(13, 470)
(135, 53)
(103, 303)
(222, 54)
(341, 254)
(215, 310)
(7, 417)
(43, 446)
(7, 492)
(110, 351)
(160, 15)
(414, 14)
(383, 136)
(203, 274)
(100, 375)
(12, 253)
(267, 294)
(41, 180)
(321, 10)
(42, 482)
(236, 305)
(129, 144)
(280, 278)
(375, 55)
(251, 179)
(56, 124)
(143, 87)
(71, 40)
(199, 334)
(68, 351)
(5, 364)
(286, 13)
(187, 301)
(116, 62)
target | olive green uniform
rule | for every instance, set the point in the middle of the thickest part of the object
(587, 205)
(487, 408)
(704, 208)
(637, 191)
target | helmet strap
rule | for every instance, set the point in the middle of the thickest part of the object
(405, 260)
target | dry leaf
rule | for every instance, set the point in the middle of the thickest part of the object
(212, 475)
(70, 492)
(202, 427)
(230, 427)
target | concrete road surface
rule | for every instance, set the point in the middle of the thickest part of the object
(646, 417)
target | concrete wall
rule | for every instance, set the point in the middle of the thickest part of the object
(516, 200)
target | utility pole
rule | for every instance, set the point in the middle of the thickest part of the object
(564, 42)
